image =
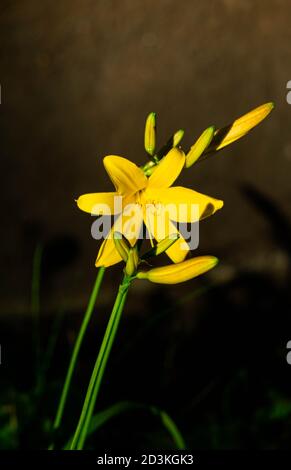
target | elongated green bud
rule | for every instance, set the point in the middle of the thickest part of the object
(162, 246)
(177, 137)
(150, 134)
(176, 273)
(199, 147)
(173, 141)
(132, 262)
(121, 245)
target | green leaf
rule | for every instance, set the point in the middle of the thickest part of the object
(101, 418)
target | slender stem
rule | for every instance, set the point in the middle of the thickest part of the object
(100, 365)
(172, 429)
(77, 347)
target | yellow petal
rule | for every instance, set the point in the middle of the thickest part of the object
(168, 170)
(100, 203)
(162, 246)
(160, 226)
(176, 273)
(125, 175)
(107, 255)
(199, 147)
(183, 204)
(239, 127)
(128, 225)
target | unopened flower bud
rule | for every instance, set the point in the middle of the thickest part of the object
(180, 272)
(132, 261)
(199, 147)
(150, 134)
(121, 245)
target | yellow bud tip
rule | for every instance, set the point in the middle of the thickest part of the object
(270, 104)
(151, 119)
(178, 136)
(264, 109)
(215, 260)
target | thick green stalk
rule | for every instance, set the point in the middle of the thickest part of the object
(77, 347)
(100, 365)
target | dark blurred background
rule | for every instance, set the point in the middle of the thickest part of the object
(77, 81)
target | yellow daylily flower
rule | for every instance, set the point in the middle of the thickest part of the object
(154, 192)
(176, 273)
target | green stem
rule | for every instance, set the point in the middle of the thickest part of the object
(100, 365)
(77, 347)
(172, 429)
